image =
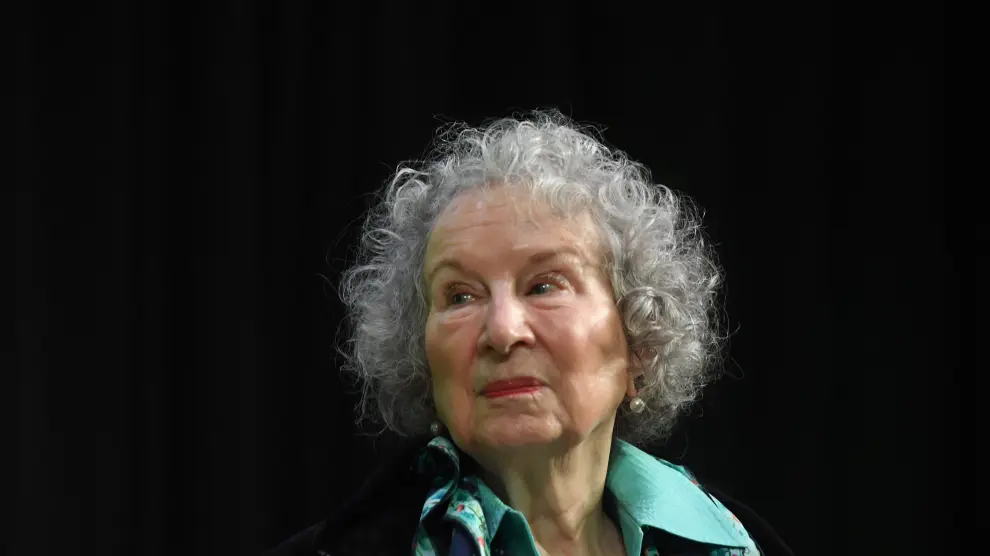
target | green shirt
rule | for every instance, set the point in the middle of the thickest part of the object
(646, 496)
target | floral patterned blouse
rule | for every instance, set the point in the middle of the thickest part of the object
(647, 497)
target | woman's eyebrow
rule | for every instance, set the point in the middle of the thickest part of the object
(539, 257)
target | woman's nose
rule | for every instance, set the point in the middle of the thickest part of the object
(507, 323)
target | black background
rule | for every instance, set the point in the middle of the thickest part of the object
(188, 180)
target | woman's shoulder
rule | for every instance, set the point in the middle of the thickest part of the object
(390, 499)
(703, 513)
(302, 543)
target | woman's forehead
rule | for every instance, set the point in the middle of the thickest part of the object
(508, 223)
(511, 205)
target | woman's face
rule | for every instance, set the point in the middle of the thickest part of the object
(524, 341)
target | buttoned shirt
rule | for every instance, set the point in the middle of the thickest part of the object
(651, 500)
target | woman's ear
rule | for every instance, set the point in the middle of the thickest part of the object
(637, 360)
(631, 386)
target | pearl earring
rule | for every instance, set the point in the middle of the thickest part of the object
(636, 405)
(435, 428)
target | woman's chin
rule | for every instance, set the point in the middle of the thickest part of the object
(520, 431)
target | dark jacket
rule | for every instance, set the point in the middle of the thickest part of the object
(361, 528)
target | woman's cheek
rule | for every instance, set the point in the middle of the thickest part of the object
(456, 343)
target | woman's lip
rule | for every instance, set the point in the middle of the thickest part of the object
(511, 386)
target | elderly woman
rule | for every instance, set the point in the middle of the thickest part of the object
(529, 306)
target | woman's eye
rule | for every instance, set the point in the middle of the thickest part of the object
(459, 298)
(542, 288)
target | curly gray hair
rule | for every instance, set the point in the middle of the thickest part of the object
(663, 274)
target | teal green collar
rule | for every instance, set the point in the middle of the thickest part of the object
(648, 493)
(651, 492)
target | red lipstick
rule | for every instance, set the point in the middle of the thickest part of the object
(511, 387)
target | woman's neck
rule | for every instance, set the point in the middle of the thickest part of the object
(560, 492)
